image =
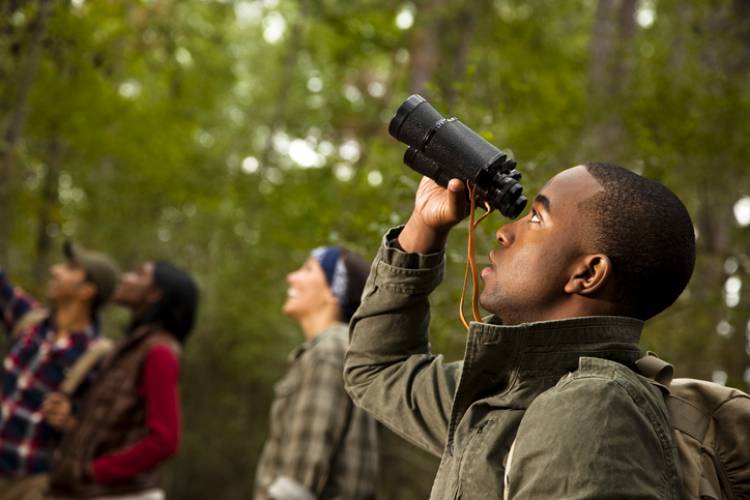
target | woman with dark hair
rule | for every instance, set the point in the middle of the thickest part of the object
(320, 446)
(129, 422)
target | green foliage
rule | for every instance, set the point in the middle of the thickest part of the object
(233, 136)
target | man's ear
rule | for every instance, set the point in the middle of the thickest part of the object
(154, 295)
(590, 275)
(87, 291)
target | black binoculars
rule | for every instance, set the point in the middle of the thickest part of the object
(444, 149)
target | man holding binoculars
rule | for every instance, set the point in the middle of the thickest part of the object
(546, 402)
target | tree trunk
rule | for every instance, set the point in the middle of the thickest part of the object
(442, 38)
(287, 79)
(609, 73)
(424, 49)
(424, 56)
(7, 10)
(463, 25)
(49, 205)
(741, 15)
(16, 122)
(731, 59)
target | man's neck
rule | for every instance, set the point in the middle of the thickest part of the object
(71, 317)
(577, 307)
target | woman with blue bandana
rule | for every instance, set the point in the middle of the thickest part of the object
(319, 445)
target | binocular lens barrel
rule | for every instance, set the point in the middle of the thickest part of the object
(421, 118)
(424, 165)
(443, 149)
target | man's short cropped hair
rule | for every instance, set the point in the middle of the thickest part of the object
(648, 235)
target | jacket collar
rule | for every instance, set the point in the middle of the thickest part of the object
(501, 358)
(546, 347)
(567, 335)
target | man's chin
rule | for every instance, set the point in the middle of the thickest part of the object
(483, 302)
(490, 303)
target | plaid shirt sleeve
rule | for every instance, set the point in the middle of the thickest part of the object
(14, 303)
(318, 417)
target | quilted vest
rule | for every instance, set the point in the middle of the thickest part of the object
(112, 417)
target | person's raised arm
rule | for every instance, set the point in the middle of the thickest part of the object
(389, 369)
(14, 303)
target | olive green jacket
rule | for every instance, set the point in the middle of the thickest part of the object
(559, 393)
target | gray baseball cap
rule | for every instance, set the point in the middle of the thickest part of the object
(100, 269)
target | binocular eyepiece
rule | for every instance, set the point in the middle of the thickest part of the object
(444, 149)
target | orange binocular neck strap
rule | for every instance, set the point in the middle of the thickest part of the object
(471, 263)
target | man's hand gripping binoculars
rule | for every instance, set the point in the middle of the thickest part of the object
(444, 149)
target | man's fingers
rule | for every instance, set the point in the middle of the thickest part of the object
(55, 408)
(456, 185)
(51, 404)
(457, 198)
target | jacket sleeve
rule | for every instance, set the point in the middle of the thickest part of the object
(588, 438)
(389, 370)
(14, 303)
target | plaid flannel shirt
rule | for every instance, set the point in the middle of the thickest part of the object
(318, 440)
(34, 366)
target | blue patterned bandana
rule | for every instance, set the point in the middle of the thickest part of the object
(335, 271)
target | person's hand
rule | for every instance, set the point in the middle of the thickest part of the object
(436, 211)
(57, 411)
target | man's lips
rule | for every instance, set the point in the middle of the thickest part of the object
(488, 270)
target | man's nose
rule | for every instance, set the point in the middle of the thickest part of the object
(505, 235)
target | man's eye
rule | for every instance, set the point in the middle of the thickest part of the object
(535, 217)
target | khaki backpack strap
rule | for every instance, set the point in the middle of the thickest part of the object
(655, 368)
(687, 418)
(31, 318)
(77, 373)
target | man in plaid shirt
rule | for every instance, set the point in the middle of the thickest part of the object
(42, 346)
(320, 446)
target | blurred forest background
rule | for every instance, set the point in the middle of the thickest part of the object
(234, 136)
